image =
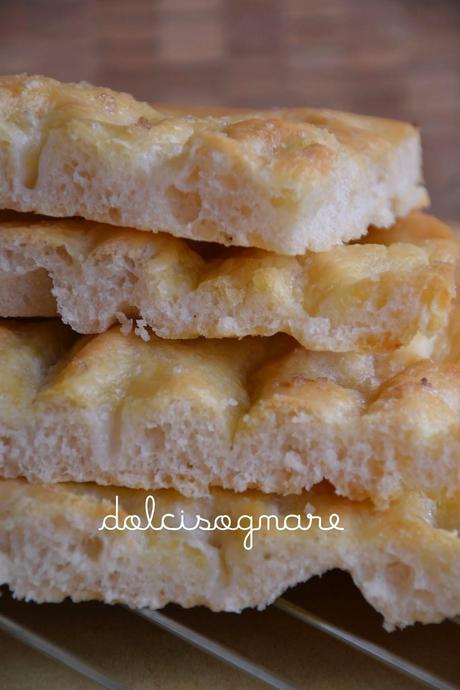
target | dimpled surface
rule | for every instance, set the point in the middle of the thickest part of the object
(372, 296)
(286, 180)
(257, 413)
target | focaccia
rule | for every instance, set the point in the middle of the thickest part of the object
(284, 180)
(373, 296)
(405, 560)
(258, 413)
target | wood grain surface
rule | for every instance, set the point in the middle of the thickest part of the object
(398, 58)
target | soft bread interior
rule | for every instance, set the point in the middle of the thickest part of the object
(405, 560)
(374, 296)
(257, 413)
(285, 180)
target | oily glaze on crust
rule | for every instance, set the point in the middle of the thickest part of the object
(286, 181)
(372, 296)
(405, 559)
(257, 413)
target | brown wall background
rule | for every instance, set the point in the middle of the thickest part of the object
(398, 58)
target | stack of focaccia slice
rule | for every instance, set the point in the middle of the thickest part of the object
(202, 322)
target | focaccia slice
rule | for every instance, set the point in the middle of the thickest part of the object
(405, 560)
(363, 297)
(258, 413)
(282, 180)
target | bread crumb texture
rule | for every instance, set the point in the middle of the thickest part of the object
(373, 296)
(260, 413)
(283, 180)
(405, 559)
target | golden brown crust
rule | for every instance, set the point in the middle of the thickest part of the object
(405, 559)
(286, 180)
(364, 297)
(260, 412)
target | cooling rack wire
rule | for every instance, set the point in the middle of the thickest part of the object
(224, 653)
